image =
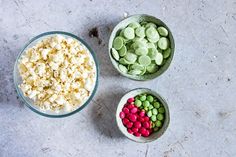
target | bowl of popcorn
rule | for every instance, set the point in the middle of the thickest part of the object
(56, 74)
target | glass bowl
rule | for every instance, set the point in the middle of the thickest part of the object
(139, 18)
(17, 78)
(155, 135)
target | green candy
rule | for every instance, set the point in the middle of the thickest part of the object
(162, 31)
(153, 118)
(149, 113)
(134, 25)
(159, 58)
(161, 110)
(118, 43)
(140, 31)
(137, 66)
(135, 72)
(124, 61)
(144, 60)
(163, 43)
(129, 33)
(152, 68)
(166, 53)
(123, 68)
(160, 116)
(156, 104)
(154, 111)
(146, 103)
(146, 108)
(138, 103)
(150, 98)
(130, 57)
(143, 97)
(152, 53)
(158, 123)
(141, 51)
(115, 54)
(151, 25)
(150, 107)
(122, 51)
(152, 33)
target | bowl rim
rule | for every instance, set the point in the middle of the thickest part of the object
(28, 104)
(162, 100)
(130, 76)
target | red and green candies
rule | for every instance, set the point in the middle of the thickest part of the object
(142, 115)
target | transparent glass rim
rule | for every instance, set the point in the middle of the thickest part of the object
(27, 103)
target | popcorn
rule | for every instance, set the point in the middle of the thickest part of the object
(57, 73)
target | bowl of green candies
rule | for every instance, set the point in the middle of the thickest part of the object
(141, 47)
(142, 115)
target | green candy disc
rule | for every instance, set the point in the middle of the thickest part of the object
(124, 61)
(137, 66)
(130, 57)
(152, 68)
(122, 51)
(166, 53)
(152, 53)
(163, 43)
(144, 60)
(115, 54)
(152, 33)
(129, 33)
(151, 25)
(141, 51)
(135, 72)
(140, 31)
(123, 68)
(134, 25)
(159, 59)
(162, 31)
(118, 43)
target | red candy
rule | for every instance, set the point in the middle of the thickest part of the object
(122, 115)
(146, 125)
(135, 119)
(134, 110)
(130, 100)
(129, 125)
(137, 134)
(137, 124)
(132, 117)
(125, 110)
(142, 113)
(130, 131)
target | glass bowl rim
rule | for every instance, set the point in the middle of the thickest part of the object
(28, 104)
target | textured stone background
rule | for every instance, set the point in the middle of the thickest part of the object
(199, 86)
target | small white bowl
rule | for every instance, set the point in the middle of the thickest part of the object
(154, 135)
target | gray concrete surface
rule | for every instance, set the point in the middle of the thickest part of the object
(199, 85)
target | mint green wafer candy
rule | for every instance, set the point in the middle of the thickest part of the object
(153, 40)
(138, 103)
(141, 51)
(131, 57)
(143, 71)
(137, 66)
(134, 25)
(166, 53)
(151, 45)
(140, 31)
(146, 103)
(129, 33)
(135, 72)
(152, 33)
(150, 98)
(118, 43)
(122, 51)
(158, 123)
(159, 59)
(143, 97)
(162, 31)
(144, 60)
(163, 43)
(152, 53)
(124, 61)
(115, 54)
(152, 68)
(150, 107)
(151, 25)
(122, 68)
(139, 43)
